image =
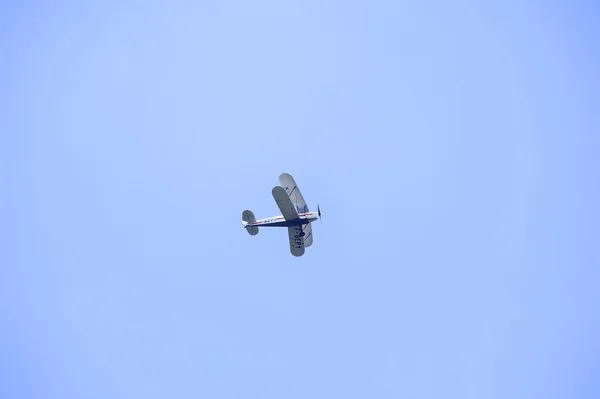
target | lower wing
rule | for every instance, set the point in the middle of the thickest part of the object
(308, 236)
(296, 241)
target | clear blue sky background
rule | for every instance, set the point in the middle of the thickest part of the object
(453, 148)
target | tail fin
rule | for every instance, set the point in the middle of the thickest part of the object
(248, 217)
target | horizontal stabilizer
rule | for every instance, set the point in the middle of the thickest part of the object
(248, 217)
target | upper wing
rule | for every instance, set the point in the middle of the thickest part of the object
(291, 188)
(296, 242)
(285, 205)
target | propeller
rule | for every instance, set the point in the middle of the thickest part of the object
(319, 211)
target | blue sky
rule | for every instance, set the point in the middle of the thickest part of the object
(452, 147)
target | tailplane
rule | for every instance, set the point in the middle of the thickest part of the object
(248, 217)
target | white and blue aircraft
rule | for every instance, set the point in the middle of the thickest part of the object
(294, 215)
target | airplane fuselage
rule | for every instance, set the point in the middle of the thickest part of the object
(279, 221)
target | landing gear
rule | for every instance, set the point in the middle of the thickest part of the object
(302, 233)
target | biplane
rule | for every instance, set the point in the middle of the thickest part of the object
(294, 215)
